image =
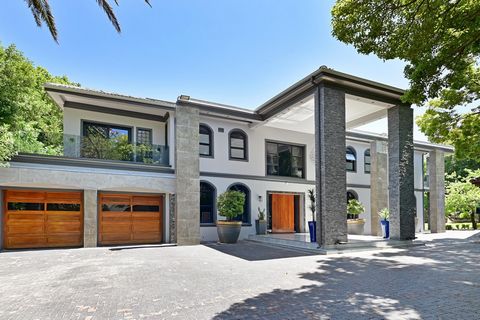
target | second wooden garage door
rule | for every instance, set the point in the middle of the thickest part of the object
(130, 219)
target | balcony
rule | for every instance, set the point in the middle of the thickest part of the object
(98, 151)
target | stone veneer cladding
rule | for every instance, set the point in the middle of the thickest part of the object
(378, 183)
(90, 218)
(331, 206)
(172, 218)
(436, 174)
(401, 174)
(188, 175)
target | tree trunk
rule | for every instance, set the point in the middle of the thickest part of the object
(472, 218)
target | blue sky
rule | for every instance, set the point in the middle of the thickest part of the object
(235, 52)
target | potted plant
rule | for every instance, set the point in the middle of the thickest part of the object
(354, 224)
(230, 205)
(261, 223)
(312, 225)
(384, 216)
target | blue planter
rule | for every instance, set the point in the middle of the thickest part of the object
(312, 228)
(385, 228)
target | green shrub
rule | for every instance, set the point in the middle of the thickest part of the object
(384, 214)
(354, 208)
(457, 226)
(230, 204)
(449, 227)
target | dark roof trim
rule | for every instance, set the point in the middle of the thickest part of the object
(88, 93)
(214, 109)
(349, 83)
(117, 112)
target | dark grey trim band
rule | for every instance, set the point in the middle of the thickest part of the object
(118, 112)
(90, 163)
(261, 178)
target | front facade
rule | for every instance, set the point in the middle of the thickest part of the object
(137, 171)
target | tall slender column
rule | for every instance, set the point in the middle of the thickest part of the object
(401, 173)
(188, 175)
(378, 183)
(436, 176)
(330, 171)
(90, 220)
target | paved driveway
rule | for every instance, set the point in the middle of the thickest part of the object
(243, 281)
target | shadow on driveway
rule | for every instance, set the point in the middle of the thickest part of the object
(253, 251)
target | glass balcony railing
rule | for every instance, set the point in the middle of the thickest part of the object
(114, 149)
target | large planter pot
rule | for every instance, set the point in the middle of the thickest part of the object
(355, 226)
(385, 224)
(261, 226)
(312, 228)
(228, 231)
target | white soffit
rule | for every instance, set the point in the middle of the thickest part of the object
(298, 117)
(360, 111)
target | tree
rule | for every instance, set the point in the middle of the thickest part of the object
(463, 197)
(458, 168)
(440, 42)
(42, 13)
(29, 120)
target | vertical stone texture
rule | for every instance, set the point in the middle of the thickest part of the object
(378, 183)
(1, 219)
(188, 175)
(401, 174)
(330, 170)
(436, 175)
(173, 219)
(90, 218)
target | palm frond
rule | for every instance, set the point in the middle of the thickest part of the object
(42, 13)
(110, 14)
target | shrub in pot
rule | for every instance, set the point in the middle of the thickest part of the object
(261, 223)
(354, 224)
(230, 205)
(384, 216)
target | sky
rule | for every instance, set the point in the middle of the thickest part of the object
(234, 52)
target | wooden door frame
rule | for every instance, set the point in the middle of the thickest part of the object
(163, 224)
(301, 219)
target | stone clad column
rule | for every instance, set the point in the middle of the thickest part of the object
(436, 176)
(401, 174)
(330, 171)
(378, 183)
(187, 171)
(90, 220)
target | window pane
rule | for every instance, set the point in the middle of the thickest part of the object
(237, 153)
(350, 166)
(297, 151)
(205, 138)
(204, 150)
(24, 206)
(116, 207)
(237, 143)
(272, 148)
(144, 136)
(147, 208)
(367, 168)
(63, 206)
(207, 195)
(272, 170)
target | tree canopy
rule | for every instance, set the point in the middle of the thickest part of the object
(29, 119)
(462, 196)
(440, 42)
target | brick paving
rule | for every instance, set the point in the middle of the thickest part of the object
(243, 281)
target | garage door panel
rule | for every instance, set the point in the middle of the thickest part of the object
(64, 227)
(34, 218)
(140, 224)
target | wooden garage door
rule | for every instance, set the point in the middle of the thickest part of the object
(42, 219)
(130, 219)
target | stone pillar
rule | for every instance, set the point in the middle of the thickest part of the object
(188, 175)
(401, 174)
(90, 220)
(330, 172)
(2, 206)
(173, 218)
(436, 176)
(378, 183)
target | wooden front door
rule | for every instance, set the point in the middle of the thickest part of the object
(283, 213)
(130, 219)
(43, 219)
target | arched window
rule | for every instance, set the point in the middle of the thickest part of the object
(245, 217)
(207, 203)
(350, 196)
(351, 156)
(206, 141)
(367, 161)
(238, 145)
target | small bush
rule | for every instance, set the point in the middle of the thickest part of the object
(230, 204)
(448, 227)
(457, 226)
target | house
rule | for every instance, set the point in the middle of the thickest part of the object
(137, 170)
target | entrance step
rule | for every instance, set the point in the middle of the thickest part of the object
(355, 244)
